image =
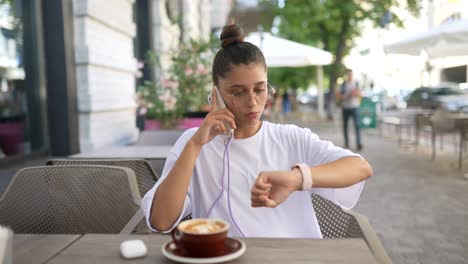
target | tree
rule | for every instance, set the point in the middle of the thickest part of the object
(284, 78)
(333, 25)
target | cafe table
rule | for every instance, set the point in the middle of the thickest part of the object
(104, 248)
(133, 151)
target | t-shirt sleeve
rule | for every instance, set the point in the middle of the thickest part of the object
(147, 201)
(318, 152)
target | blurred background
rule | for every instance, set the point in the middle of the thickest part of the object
(79, 75)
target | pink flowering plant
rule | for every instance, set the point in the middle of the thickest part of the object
(185, 86)
(159, 101)
(192, 69)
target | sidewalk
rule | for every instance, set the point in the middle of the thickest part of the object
(419, 208)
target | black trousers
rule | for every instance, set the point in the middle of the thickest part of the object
(354, 114)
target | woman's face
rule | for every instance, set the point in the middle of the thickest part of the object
(245, 92)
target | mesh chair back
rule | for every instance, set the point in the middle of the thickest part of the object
(333, 221)
(145, 175)
(70, 200)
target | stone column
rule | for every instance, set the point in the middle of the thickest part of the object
(105, 72)
(165, 34)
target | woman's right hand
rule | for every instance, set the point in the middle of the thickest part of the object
(214, 124)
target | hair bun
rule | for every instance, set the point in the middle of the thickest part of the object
(231, 34)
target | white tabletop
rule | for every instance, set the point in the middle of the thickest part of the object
(141, 152)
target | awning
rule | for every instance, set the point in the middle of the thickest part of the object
(280, 52)
(450, 39)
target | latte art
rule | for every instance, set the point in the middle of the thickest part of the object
(204, 228)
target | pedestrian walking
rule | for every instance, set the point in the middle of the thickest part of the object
(349, 96)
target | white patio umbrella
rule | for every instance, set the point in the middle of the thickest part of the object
(450, 39)
(280, 52)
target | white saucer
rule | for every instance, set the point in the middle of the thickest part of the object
(169, 248)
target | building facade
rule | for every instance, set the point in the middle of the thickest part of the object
(105, 72)
(71, 67)
(397, 72)
(450, 70)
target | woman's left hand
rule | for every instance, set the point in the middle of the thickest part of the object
(274, 187)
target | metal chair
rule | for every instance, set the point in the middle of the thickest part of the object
(441, 125)
(423, 124)
(462, 147)
(145, 175)
(335, 222)
(400, 121)
(158, 166)
(71, 200)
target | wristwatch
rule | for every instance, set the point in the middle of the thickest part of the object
(306, 175)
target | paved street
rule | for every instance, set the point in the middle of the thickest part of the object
(419, 208)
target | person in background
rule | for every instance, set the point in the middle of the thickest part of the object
(350, 95)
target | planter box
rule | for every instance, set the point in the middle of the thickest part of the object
(187, 123)
(152, 124)
(11, 138)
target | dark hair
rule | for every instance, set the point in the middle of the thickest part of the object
(234, 51)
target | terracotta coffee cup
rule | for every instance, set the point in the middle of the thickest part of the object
(202, 237)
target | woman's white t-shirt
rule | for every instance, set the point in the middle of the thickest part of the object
(273, 147)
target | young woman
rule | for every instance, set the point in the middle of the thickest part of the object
(259, 180)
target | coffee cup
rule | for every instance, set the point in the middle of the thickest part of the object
(201, 237)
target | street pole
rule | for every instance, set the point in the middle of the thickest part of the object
(321, 105)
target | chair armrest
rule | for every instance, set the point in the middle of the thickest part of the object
(133, 223)
(371, 238)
